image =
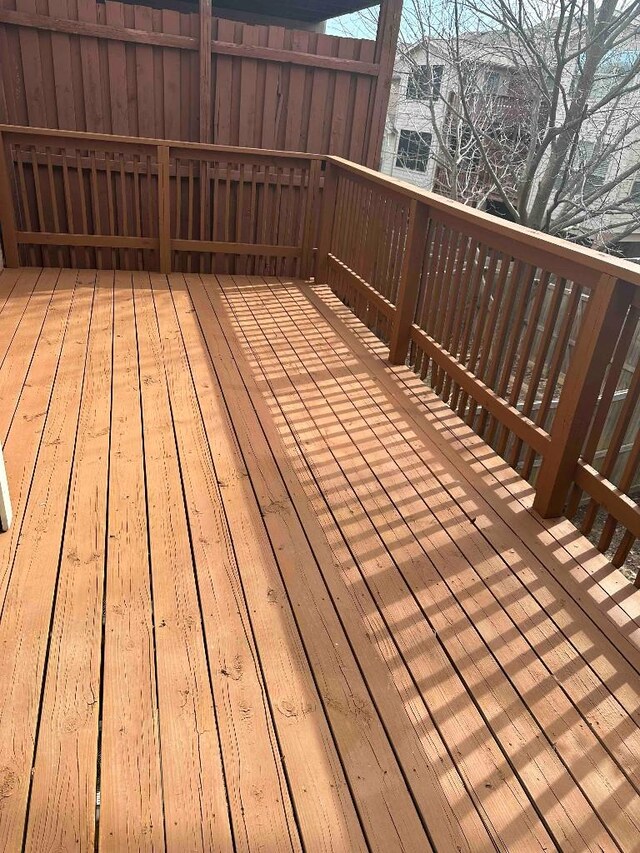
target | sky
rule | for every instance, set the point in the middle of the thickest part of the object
(352, 25)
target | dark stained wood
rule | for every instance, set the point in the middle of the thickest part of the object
(129, 69)
(204, 119)
(386, 43)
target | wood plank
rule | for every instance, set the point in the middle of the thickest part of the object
(255, 776)
(171, 80)
(89, 28)
(62, 69)
(33, 81)
(94, 119)
(8, 280)
(117, 64)
(195, 801)
(31, 591)
(65, 767)
(145, 83)
(131, 814)
(371, 436)
(205, 72)
(47, 238)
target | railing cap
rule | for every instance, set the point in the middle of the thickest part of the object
(581, 255)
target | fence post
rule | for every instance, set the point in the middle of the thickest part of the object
(327, 214)
(7, 216)
(409, 284)
(164, 209)
(606, 309)
(205, 58)
(309, 230)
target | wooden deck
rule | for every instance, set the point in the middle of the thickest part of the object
(265, 592)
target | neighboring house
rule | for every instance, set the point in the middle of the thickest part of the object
(419, 125)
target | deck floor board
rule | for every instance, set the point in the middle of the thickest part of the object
(264, 591)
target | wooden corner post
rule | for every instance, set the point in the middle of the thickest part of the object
(385, 55)
(327, 216)
(310, 221)
(409, 284)
(164, 208)
(606, 310)
(7, 216)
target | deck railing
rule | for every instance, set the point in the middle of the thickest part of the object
(531, 340)
(101, 201)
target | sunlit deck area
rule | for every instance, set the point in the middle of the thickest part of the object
(265, 591)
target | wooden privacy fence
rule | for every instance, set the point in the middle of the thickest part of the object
(531, 340)
(86, 200)
(136, 71)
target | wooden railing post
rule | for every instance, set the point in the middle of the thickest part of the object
(603, 319)
(7, 215)
(164, 209)
(310, 220)
(327, 214)
(409, 284)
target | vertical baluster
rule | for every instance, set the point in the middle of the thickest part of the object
(68, 205)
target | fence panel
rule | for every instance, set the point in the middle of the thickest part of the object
(131, 70)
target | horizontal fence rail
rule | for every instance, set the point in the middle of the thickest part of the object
(88, 200)
(531, 340)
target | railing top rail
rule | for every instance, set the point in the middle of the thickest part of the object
(15, 130)
(588, 260)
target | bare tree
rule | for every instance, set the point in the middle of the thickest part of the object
(558, 143)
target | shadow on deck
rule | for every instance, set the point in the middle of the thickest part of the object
(264, 591)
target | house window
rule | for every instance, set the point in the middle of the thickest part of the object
(425, 82)
(592, 167)
(492, 82)
(635, 190)
(413, 150)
